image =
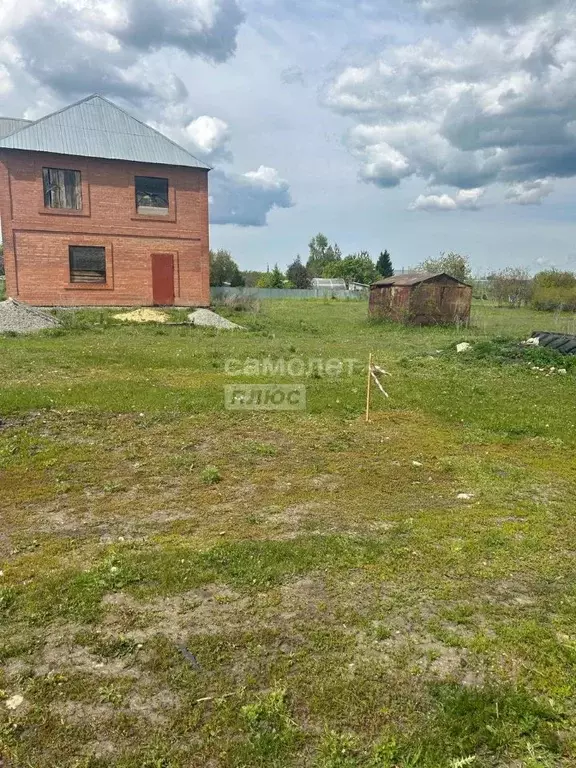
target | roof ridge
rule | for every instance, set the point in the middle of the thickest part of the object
(51, 114)
(21, 128)
(141, 122)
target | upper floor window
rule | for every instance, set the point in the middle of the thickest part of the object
(151, 195)
(62, 188)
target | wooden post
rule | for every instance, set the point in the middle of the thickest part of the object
(368, 388)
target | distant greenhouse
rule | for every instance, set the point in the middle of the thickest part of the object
(329, 284)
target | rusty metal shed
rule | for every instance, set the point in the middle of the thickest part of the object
(421, 298)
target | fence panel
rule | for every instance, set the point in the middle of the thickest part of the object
(223, 292)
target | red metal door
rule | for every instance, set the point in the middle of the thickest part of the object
(162, 278)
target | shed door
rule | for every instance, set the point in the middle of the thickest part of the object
(162, 278)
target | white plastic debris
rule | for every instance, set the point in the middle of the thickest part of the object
(465, 496)
(562, 371)
(417, 464)
(463, 347)
(532, 342)
(14, 701)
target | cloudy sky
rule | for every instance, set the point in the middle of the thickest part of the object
(412, 125)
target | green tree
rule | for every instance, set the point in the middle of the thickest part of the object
(358, 267)
(251, 278)
(511, 286)
(554, 290)
(321, 253)
(384, 265)
(454, 264)
(223, 269)
(297, 274)
(274, 279)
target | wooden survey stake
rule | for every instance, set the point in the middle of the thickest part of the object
(368, 387)
(374, 371)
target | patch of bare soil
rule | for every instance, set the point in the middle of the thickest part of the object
(60, 651)
(293, 611)
(292, 516)
(326, 482)
(210, 610)
(511, 592)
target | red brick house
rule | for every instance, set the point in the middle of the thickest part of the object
(98, 209)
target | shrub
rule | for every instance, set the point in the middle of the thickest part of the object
(241, 303)
(505, 351)
(211, 475)
(554, 291)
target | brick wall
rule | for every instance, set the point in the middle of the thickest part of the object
(36, 239)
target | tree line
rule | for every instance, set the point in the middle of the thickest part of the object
(549, 290)
(324, 260)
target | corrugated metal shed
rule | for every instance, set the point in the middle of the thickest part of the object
(95, 127)
(10, 124)
(415, 278)
(421, 299)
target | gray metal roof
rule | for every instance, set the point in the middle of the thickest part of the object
(95, 127)
(10, 124)
(414, 278)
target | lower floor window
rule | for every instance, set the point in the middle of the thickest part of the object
(87, 264)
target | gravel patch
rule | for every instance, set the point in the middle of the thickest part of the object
(18, 317)
(207, 318)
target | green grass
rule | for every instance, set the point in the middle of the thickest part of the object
(344, 607)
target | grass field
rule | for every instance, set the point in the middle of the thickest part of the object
(188, 586)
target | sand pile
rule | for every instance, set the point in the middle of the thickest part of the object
(143, 316)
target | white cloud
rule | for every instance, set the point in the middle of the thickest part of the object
(465, 199)
(265, 177)
(530, 192)
(74, 47)
(494, 106)
(208, 134)
(207, 138)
